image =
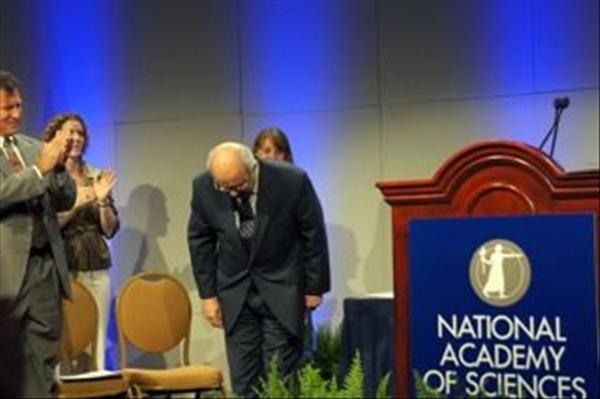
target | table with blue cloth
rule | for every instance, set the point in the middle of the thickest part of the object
(368, 326)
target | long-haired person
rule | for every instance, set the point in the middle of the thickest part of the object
(272, 143)
(90, 222)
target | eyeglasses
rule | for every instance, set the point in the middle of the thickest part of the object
(232, 189)
(236, 188)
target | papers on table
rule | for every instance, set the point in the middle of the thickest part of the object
(382, 295)
(92, 375)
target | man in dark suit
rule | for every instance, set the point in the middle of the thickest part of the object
(259, 253)
(33, 267)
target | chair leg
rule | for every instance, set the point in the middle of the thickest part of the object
(135, 392)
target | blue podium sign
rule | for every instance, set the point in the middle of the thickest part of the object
(505, 306)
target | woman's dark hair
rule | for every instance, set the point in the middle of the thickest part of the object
(279, 140)
(57, 123)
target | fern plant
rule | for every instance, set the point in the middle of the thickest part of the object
(354, 382)
(328, 342)
(276, 385)
(311, 384)
(423, 390)
(382, 388)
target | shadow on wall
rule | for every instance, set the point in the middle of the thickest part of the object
(143, 221)
(344, 264)
(185, 275)
(378, 258)
(135, 248)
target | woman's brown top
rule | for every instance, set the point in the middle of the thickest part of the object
(85, 242)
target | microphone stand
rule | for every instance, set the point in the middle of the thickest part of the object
(555, 135)
(559, 107)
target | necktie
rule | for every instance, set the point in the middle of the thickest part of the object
(246, 216)
(11, 155)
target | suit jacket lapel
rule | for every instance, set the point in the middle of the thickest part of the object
(5, 168)
(226, 213)
(28, 152)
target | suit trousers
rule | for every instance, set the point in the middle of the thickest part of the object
(39, 308)
(252, 343)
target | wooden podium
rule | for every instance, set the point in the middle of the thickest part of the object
(490, 178)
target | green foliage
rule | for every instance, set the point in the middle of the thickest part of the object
(328, 342)
(422, 389)
(319, 378)
(354, 381)
(382, 388)
(276, 385)
(311, 384)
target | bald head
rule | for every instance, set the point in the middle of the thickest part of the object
(232, 165)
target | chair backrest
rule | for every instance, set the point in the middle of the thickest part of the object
(154, 314)
(80, 324)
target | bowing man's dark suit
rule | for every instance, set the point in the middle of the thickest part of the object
(261, 294)
(33, 267)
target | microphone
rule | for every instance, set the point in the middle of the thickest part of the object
(560, 104)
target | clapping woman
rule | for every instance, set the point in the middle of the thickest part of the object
(92, 220)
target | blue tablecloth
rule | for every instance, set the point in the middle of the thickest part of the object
(368, 326)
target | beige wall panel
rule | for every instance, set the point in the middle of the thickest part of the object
(578, 142)
(179, 59)
(307, 56)
(450, 49)
(419, 137)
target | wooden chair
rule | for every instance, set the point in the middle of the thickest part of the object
(154, 315)
(80, 331)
